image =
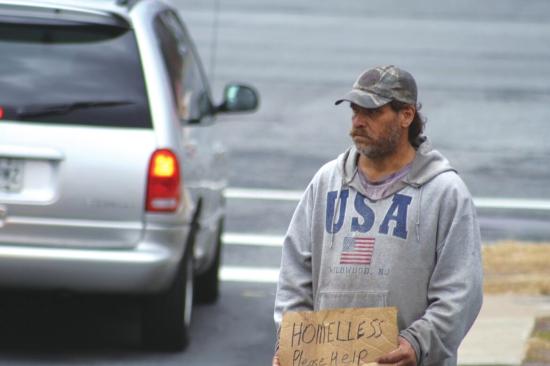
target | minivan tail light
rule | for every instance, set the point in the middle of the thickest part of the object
(163, 183)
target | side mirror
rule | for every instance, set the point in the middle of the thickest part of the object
(238, 98)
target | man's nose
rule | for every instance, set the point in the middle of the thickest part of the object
(359, 120)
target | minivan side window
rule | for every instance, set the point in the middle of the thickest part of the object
(188, 84)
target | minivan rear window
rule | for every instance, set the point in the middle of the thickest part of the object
(72, 74)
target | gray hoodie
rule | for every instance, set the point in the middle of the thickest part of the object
(417, 249)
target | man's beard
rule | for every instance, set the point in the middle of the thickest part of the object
(384, 146)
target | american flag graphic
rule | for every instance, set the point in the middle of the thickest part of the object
(357, 250)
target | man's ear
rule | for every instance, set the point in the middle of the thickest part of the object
(407, 115)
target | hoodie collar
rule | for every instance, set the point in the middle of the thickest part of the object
(427, 164)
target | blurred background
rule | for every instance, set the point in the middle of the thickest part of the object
(481, 66)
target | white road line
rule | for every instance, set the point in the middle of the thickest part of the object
(253, 239)
(263, 194)
(249, 274)
(512, 203)
(480, 202)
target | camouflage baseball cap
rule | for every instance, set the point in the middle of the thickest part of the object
(380, 85)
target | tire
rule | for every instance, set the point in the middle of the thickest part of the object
(166, 317)
(207, 289)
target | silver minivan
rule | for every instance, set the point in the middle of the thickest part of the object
(110, 180)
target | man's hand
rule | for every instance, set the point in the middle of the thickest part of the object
(276, 359)
(404, 355)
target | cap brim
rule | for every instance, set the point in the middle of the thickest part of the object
(363, 99)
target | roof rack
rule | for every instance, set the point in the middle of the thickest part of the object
(51, 14)
(127, 3)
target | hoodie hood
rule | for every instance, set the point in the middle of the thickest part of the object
(427, 164)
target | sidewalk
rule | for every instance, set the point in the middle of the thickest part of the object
(501, 330)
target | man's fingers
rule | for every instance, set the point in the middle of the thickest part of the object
(392, 357)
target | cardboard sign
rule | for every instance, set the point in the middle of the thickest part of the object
(337, 337)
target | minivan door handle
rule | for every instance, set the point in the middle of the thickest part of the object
(36, 153)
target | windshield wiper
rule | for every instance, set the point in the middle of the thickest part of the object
(41, 110)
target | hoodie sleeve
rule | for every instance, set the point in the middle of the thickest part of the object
(455, 289)
(294, 289)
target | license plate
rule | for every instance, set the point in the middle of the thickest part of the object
(11, 175)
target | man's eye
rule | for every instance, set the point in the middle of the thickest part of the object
(373, 112)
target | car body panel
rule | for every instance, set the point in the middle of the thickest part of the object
(203, 168)
(84, 197)
(147, 268)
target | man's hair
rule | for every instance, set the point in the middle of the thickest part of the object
(417, 125)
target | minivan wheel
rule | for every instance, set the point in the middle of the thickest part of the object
(207, 288)
(166, 317)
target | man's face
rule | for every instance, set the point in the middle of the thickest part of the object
(376, 132)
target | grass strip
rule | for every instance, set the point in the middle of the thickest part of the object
(517, 267)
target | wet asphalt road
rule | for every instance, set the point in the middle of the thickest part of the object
(484, 79)
(483, 76)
